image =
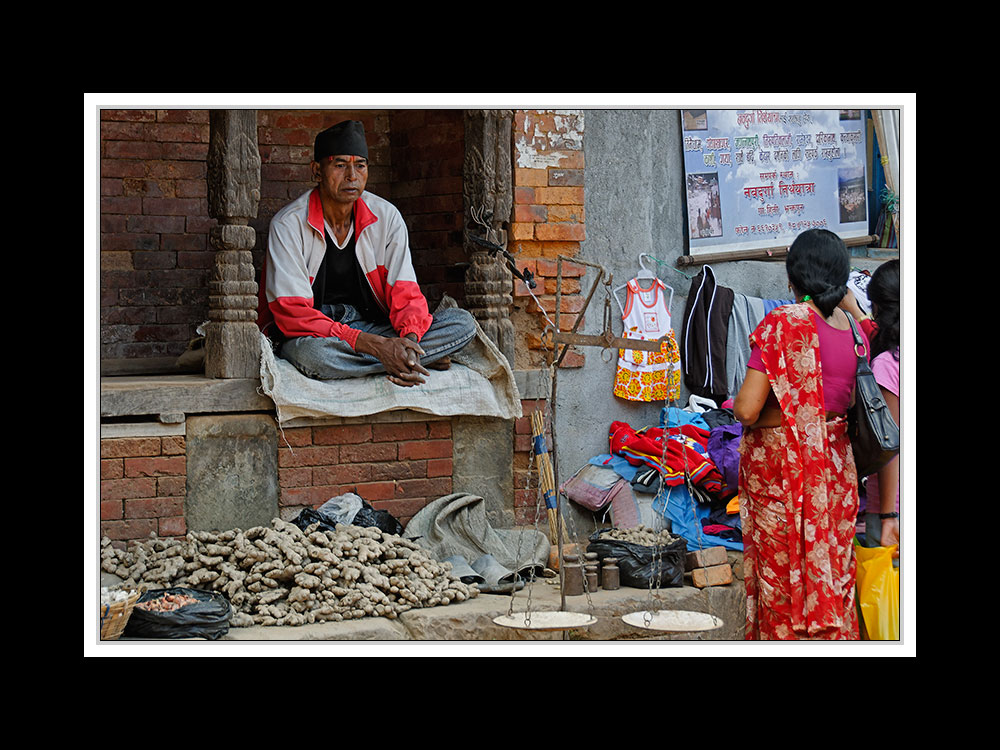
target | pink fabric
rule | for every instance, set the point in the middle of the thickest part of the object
(838, 361)
(885, 367)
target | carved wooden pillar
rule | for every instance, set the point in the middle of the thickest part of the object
(232, 343)
(488, 191)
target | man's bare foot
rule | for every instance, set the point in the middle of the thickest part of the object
(442, 364)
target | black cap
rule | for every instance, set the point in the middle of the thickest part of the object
(347, 137)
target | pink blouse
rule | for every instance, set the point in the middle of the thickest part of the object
(838, 360)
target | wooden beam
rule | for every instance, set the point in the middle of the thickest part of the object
(765, 253)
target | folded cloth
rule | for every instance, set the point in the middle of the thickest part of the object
(479, 382)
(457, 525)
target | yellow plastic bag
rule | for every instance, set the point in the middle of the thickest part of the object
(878, 591)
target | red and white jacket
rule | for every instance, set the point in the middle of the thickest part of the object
(295, 249)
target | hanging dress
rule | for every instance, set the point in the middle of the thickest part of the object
(642, 375)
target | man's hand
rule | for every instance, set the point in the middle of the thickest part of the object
(399, 356)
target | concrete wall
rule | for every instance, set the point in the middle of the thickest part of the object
(634, 203)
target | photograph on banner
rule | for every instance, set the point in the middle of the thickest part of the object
(757, 178)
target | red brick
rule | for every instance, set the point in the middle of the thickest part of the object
(155, 467)
(440, 467)
(297, 436)
(703, 558)
(124, 447)
(136, 528)
(531, 177)
(439, 429)
(560, 231)
(295, 477)
(112, 468)
(111, 510)
(715, 575)
(175, 526)
(399, 470)
(550, 268)
(372, 491)
(525, 195)
(368, 452)
(171, 486)
(309, 456)
(432, 488)
(559, 195)
(342, 434)
(173, 445)
(528, 214)
(342, 474)
(154, 507)
(123, 489)
(425, 449)
(399, 431)
(311, 496)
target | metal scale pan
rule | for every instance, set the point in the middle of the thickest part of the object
(559, 620)
(673, 621)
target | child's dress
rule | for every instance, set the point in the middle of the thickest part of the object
(648, 376)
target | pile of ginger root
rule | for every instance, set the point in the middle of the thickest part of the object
(282, 575)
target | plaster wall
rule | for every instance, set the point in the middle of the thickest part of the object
(634, 203)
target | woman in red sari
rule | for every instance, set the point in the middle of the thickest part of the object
(798, 482)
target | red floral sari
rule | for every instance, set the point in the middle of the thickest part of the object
(798, 497)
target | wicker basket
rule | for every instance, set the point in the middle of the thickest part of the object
(115, 616)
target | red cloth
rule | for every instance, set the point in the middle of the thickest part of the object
(798, 497)
(686, 451)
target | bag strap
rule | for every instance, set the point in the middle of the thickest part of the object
(859, 342)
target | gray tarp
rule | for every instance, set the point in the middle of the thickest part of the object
(457, 525)
(479, 382)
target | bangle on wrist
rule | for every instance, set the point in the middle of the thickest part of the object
(884, 516)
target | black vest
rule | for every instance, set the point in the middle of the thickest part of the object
(340, 281)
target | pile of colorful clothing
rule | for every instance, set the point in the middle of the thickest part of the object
(685, 471)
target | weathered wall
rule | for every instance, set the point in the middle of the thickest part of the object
(634, 203)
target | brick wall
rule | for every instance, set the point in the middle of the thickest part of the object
(143, 483)
(428, 153)
(548, 222)
(396, 466)
(155, 259)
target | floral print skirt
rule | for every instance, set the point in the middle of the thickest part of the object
(799, 566)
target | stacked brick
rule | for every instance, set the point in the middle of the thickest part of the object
(548, 222)
(155, 260)
(427, 160)
(143, 484)
(398, 467)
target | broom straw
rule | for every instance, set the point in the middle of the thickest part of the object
(546, 479)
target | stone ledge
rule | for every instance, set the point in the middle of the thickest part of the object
(472, 620)
(170, 395)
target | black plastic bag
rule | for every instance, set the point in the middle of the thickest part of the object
(640, 566)
(207, 618)
(307, 517)
(367, 516)
(382, 519)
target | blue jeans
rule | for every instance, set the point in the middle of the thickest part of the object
(332, 358)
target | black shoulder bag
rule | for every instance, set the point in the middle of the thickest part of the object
(874, 433)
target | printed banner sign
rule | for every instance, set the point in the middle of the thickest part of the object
(757, 178)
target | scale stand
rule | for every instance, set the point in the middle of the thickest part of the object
(670, 621)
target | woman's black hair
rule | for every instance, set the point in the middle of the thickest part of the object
(883, 290)
(818, 264)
